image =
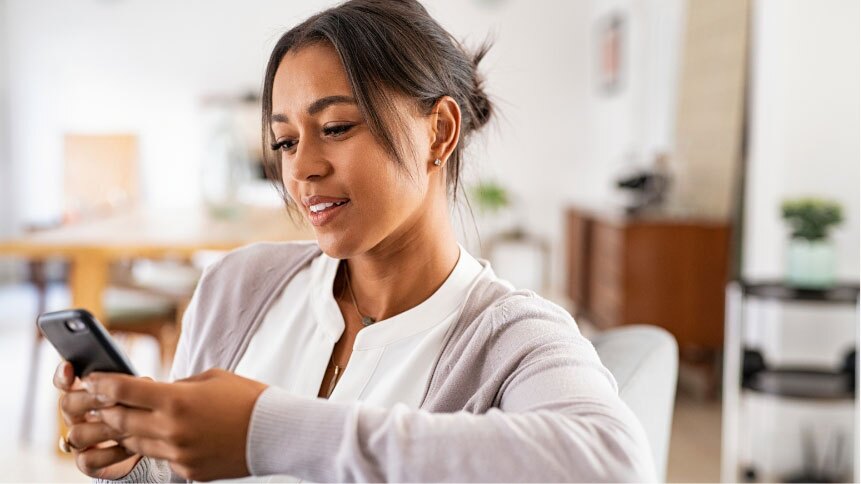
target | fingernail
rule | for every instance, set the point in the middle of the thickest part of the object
(103, 398)
(87, 385)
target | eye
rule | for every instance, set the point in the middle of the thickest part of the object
(283, 145)
(337, 130)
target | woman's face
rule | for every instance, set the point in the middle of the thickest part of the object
(328, 151)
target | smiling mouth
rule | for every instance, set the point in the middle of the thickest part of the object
(322, 213)
(322, 207)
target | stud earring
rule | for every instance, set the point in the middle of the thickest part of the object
(437, 162)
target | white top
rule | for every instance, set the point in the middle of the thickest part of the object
(392, 359)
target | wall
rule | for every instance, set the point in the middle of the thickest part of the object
(6, 198)
(8, 269)
(631, 126)
(134, 66)
(711, 108)
(804, 125)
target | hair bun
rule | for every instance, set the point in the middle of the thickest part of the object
(480, 107)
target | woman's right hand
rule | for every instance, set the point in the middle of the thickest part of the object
(94, 444)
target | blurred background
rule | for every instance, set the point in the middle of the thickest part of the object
(689, 164)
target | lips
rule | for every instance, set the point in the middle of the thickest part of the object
(325, 208)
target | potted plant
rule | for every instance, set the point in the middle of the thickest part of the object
(490, 197)
(518, 256)
(810, 258)
(493, 202)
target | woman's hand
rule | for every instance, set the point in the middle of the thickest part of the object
(94, 445)
(199, 424)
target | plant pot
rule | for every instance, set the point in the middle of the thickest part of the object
(810, 264)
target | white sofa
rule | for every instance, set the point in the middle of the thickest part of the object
(644, 361)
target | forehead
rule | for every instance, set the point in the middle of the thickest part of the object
(307, 74)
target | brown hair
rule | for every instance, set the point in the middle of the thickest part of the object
(386, 47)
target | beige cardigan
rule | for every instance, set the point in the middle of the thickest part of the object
(517, 394)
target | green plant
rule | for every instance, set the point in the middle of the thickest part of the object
(811, 218)
(490, 197)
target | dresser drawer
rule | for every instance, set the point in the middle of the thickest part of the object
(607, 303)
(608, 256)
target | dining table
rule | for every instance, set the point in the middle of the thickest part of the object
(90, 247)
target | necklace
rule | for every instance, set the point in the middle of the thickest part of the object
(366, 320)
(335, 377)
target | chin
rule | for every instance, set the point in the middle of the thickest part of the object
(336, 246)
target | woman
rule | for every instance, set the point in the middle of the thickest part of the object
(383, 351)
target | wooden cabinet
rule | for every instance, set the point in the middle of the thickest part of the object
(666, 271)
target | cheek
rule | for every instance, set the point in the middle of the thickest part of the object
(291, 186)
(401, 193)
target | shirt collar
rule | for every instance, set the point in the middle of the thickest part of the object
(448, 299)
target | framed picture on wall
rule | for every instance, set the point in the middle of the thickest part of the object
(610, 40)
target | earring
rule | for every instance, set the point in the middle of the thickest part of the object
(437, 162)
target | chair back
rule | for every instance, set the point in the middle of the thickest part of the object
(100, 175)
(644, 360)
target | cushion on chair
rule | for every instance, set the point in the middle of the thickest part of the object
(644, 361)
(165, 276)
(124, 305)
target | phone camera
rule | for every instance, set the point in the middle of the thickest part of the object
(76, 326)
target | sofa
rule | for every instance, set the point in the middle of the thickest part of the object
(644, 361)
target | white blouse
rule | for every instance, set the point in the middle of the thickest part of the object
(391, 360)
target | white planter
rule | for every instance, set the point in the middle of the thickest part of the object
(810, 265)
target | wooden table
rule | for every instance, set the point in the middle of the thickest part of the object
(91, 247)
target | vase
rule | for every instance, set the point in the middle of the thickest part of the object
(810, 264)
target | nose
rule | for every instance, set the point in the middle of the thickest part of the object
(309, 162)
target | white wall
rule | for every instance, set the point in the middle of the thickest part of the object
(804, 127)
(142, 66)
(136, 66)
(638, 121)
(6, 198)
(8, 269)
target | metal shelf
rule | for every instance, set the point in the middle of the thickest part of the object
(844, 293)
(803, 383)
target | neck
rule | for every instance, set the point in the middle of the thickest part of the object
(405, 269)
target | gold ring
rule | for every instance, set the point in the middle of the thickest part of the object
(66, 446)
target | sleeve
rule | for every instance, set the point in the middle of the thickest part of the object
(152, 470)
(558, 418)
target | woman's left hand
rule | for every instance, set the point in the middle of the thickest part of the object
(199, 424)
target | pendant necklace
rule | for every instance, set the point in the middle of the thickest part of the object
(334, 377)
(366, 320)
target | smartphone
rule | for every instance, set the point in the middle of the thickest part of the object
(84, 342)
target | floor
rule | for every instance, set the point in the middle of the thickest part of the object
(694, 447)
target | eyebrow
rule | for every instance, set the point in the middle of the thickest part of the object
(317, 106)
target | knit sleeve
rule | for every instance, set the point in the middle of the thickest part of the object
(557, 417)
(146, 470)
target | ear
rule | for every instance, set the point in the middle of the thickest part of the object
(445, 130)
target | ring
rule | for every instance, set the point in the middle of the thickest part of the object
(66, 446)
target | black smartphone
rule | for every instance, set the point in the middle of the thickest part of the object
(84, 342)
